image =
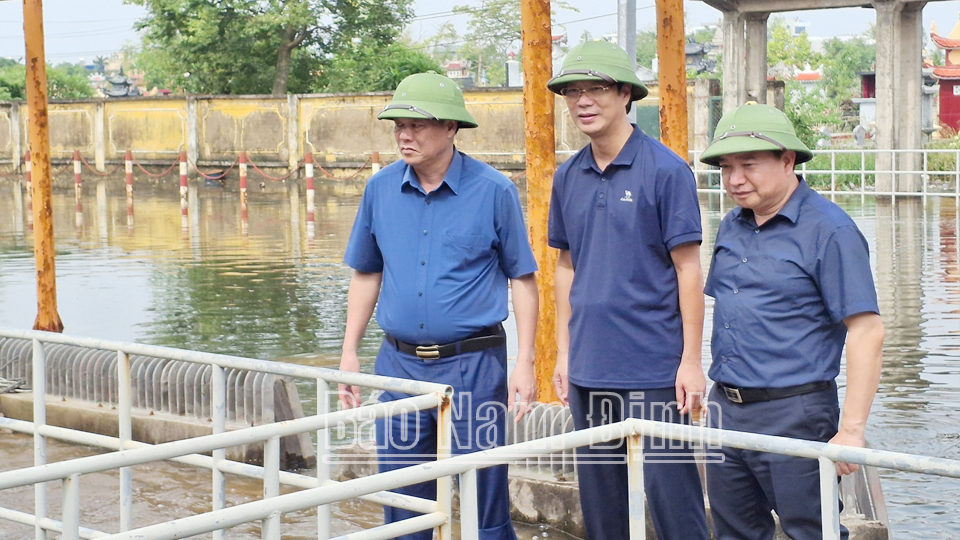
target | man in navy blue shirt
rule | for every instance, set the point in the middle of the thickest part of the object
(792, 282)
(436, 239)
(625, 216)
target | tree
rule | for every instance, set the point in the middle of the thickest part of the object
(257, 46)
(842, 59)
(783, 46)
(350, 72)
(646, 47)
(66, 81)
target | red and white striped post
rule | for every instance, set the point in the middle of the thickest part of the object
(311, 205)
(77, 175)
(78, 216)
(28, 173)
(184, 222)
(128, 180)
(244, 225)
(375, 162)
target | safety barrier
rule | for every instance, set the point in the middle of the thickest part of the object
(320, 492)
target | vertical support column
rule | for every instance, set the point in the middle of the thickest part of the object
(99, 136)
(193, 137)
(469, 513)
(756, 61)
(701, 114)
(636, 510)
(733, 41)
(270, 530)
(125, 406)
(538, 118)
(887, 13)
(43, 243)
(627, 36)
(324, 513)
(293, 130)
(444, 450)
(671, 45)
(71, 507)
(218, 412)
(909, 93)
(39, 441)
(829, 499)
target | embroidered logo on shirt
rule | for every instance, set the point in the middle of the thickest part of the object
(627, 196)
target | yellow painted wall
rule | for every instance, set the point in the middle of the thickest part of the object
(258, 126)
(152, 129)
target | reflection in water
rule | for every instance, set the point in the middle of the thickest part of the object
(265, 280)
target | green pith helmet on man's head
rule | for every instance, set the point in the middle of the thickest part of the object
(754, 128)
(431, 96)
(598, 61)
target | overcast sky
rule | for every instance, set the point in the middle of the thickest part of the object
(88, 28)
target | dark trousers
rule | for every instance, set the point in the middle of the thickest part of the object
(479, 423)
(745, 485)
(671, 481)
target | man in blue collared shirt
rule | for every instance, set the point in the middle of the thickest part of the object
(436, 239)
(625, 216)
(792, 283)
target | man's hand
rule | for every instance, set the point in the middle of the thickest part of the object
(690, 386)
(560, 382)
(349, 394)
(523, 381)
(848, 438)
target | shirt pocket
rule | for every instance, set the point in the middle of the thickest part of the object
(466, 251)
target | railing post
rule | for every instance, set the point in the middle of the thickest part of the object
(637, 512)
(184, 223)
(124, 406)
(270, 530)
(311, 197)
(444, 447)
(323, 435)
(39, 441)
(77, 175)
(71, 508)
(375, 162)
(829, 499)
(469, 513)
(218, 410)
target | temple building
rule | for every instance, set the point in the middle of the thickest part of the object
(949, 76)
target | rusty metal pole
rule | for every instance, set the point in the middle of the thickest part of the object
(541, 162)
(673, 76)
(43, 249)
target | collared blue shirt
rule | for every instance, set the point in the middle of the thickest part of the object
(445, 255)
(620, 225)
(782, 291)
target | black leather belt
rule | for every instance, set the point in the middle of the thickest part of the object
(752, 395)
(491, 336)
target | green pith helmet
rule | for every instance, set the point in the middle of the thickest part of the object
(428, 95)
(754, 128)
(598, 61)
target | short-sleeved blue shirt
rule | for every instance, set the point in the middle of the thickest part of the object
(445, 256)
(620, 225)
(782, 291)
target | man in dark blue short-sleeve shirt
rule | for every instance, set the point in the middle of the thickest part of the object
(437, 238)
(624, 215)
(792, 283)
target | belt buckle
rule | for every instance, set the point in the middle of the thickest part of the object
(733, 394)
(428, 352)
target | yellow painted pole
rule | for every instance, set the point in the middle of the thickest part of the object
(38, 129)
(673, 76)
(541, 162)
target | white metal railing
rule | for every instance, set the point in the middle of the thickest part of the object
(320, 492)
(426, 395)
(863, 180)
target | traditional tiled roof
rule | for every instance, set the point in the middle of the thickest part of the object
(943, 72)
(808, 76)
(945, 42)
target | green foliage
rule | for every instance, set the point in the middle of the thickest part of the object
(257, 46)
(782, 46)
(491, 33)
(646, 47)
(842, 59)
(65, 81)
(350, 72)
(808, 111)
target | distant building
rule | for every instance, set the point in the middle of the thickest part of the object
(458, 70)
(949, 76)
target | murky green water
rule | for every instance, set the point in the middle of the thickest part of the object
(272, 286)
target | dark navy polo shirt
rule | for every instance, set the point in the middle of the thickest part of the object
(620, 225)
(782, 291)
(445, 256)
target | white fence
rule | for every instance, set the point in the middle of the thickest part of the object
(321, 491)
